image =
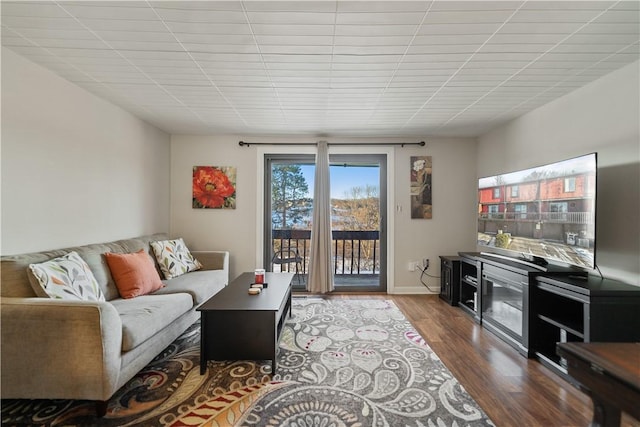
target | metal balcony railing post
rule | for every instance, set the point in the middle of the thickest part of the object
(359, 250)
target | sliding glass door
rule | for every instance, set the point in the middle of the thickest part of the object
(358, 201)
(288, 210)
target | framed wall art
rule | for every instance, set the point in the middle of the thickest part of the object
(214, 187)
(421, 203)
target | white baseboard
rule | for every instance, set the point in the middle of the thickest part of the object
(413, 290)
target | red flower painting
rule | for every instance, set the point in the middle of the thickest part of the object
(214, 187)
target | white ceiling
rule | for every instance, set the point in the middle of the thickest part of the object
(326, 68)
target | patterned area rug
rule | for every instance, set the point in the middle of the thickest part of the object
(341, 363)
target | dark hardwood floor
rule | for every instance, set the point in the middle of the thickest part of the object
(511, 389)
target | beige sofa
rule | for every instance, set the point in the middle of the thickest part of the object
(57, 349)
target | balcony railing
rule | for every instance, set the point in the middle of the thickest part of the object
(354, 252)
(554, 217)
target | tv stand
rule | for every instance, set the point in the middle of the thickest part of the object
(532, 310)
(537, 263)
(568, 309)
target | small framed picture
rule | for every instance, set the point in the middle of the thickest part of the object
(214, 187)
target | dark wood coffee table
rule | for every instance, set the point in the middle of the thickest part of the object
(610, 374)
(239, 326)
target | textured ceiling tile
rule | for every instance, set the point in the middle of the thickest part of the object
(388, 18)
(290, 6)
(467, 17)
(375, 30)
(32, 9)
(218, 5)
(114, 11)
(351, 68)
(206, 28)
(292, 29)
(300, 18)
(383, 6)
(201, 16)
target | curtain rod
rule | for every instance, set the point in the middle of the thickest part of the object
(402, 144)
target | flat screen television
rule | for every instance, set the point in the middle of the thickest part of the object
(542, 214)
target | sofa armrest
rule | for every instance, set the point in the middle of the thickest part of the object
(59, 349)
(213, 260)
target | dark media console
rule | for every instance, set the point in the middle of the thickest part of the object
(450, 279)
(532, 310)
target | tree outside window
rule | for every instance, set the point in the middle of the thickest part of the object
(290, 201)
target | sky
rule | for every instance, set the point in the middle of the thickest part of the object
(344, 178)
(576, 165)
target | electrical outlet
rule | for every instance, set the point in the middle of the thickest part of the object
(411, 265)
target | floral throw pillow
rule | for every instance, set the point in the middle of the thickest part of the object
(174, 258)
(67, 277)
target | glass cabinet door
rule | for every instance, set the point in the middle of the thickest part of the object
(502, 301)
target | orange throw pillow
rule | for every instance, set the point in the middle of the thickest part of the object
(133, 273)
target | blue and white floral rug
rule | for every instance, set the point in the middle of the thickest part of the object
(342, 362)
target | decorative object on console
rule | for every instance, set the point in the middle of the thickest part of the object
(214, 187)
(421, 203)
(67, 277)
(174, 258)
(134, 274)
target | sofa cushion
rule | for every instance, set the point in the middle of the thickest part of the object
(67, 277)
(95, 259)
(174, 258)
(146, 315)
(201, 285)
(134, 273)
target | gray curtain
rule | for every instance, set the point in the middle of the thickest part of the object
(320, 265)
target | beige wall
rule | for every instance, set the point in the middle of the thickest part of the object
(75, 168)
(452, 228)
(232, 230)
(83, 171)
(602, 117)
